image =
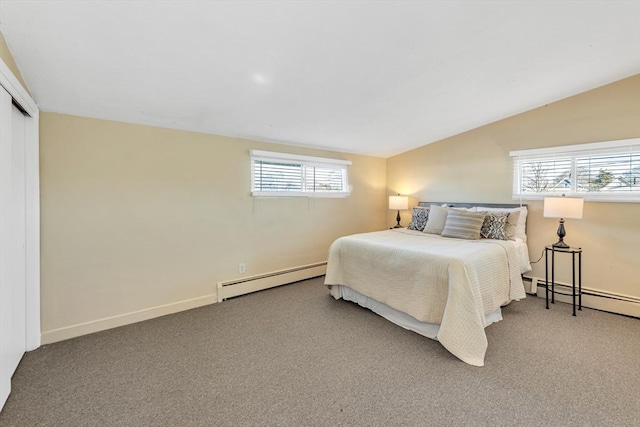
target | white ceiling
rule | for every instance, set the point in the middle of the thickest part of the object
(368, 77)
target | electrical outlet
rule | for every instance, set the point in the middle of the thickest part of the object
(242, 268)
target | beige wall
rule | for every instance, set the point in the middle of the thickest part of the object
(135, 217)
(7, 57)
(475, 167)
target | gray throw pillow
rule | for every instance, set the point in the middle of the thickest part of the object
(463, 225)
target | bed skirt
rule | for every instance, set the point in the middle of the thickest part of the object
(429, 330)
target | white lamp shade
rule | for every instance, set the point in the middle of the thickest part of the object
(398, 202)
(563, 207)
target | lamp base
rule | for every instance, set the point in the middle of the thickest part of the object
(561, 233)
(398, 220)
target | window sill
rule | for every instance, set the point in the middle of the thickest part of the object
(318, 195)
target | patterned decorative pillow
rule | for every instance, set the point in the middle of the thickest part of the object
(494, 226)
(516, 223)
(463, 224)
(419, 218)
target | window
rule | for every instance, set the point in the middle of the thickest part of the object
(280, 174)
(606, 171)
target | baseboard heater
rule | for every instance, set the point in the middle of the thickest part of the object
(245, 285)
(593, 298)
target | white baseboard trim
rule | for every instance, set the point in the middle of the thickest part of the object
(225, 290)
(105, 323)
(593, 298)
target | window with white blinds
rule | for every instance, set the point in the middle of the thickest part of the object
(282, 174)
(606, 171)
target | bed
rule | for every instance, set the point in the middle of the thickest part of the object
(434, 279)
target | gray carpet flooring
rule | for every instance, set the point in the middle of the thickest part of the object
(294, 356)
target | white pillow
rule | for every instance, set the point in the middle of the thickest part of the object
(471, 209)
(521, 227)
(437, 219)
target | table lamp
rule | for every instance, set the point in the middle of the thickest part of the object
(562, 207)
(398, 203)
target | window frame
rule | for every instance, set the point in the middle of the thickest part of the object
(574, 152)
(304, 162)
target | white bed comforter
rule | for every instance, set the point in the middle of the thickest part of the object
(450, 282)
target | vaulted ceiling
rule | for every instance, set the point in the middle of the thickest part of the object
(368, 77)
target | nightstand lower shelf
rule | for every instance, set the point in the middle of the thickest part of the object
(574, 293)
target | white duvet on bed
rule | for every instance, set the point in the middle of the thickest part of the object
(523, 255)
(450, 282)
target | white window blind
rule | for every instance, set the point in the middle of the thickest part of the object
(606, 171)
(282, 174)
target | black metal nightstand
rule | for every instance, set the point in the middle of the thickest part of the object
(574, 293)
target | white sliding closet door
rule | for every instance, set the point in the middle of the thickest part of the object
(13, 259)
